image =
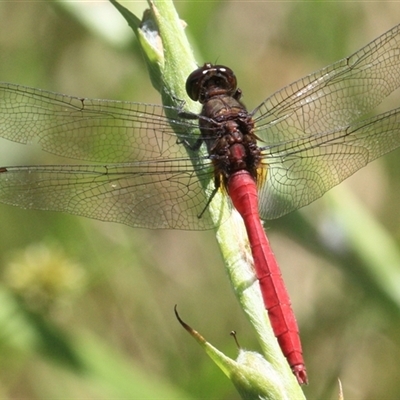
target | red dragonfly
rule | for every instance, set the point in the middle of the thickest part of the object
(287, 152)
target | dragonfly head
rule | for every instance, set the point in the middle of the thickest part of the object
(210, 80)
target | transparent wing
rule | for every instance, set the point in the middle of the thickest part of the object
(334, 96)
(300, 174)
(164, 194)
(150, 182)
(89, 129)
(308, 130)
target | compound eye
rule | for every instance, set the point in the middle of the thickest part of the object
(227, 78)
(217, 76)
(194, 81)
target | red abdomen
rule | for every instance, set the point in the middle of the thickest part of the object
(243, 192)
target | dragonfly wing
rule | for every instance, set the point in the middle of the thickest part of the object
(88, 129)
(134, 194)
(149, 180)
(301, 171)
(333, 97)
(308, 129)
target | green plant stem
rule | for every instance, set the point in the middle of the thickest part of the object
(170, 60)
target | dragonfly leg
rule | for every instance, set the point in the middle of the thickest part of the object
(213, 193)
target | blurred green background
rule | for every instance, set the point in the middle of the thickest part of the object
(86, 307)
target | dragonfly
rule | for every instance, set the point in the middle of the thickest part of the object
(148, 165)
